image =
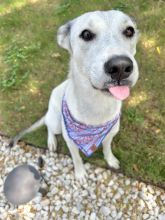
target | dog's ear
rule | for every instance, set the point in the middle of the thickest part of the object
(63, 36)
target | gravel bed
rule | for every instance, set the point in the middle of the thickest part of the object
(106, 195)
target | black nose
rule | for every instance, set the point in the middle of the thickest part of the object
(119, 67)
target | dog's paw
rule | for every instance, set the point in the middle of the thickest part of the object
(113, 162)
(52, 144)
(81, 175)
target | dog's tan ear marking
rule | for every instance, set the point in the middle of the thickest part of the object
(63, 36)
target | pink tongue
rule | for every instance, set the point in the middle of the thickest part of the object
(120, 92)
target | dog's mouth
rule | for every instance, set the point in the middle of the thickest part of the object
(119, 90)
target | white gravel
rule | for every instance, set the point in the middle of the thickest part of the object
(106, 195)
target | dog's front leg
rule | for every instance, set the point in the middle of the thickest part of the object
(108, 155)
(80, 172)
(107, 150)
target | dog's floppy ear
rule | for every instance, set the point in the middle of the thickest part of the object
(63, 36)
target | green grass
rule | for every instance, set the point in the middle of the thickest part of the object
(16, 58)
(31, 65)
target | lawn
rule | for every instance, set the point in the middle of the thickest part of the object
(31, 65)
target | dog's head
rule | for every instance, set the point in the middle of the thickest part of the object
(102, 45)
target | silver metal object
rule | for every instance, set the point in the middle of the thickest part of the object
(22, 184)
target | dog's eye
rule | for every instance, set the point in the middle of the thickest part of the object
(129, 32)
(87, 35)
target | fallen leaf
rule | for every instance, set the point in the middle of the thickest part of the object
(158, 49)
(135, 168)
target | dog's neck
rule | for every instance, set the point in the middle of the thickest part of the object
(89, 103)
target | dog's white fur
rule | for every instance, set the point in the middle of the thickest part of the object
(87, 104)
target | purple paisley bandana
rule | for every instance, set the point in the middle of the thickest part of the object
(87, 137)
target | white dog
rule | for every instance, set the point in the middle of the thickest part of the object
(86, 107)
